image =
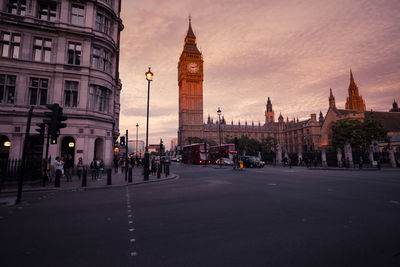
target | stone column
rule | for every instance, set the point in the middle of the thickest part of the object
(323, 157)
(391, 157)
(348, 155)
(278, 154)
(339, 158)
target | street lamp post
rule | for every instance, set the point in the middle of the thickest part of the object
(219, 125)
(149, 78)
(137, 131)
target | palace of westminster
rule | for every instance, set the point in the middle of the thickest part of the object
(292, 135)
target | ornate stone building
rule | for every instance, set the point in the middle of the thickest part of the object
(293, 135)
(64, 52)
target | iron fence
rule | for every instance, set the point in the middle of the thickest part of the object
(10, 169)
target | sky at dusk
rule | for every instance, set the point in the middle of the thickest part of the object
(291, 51)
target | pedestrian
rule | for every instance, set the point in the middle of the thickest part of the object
(59, 167)
(290, 162)
(80, 168)
(101, 169)
(360, 163)
(116, 164)
(153, 166)
(69, 167)
(94, 169)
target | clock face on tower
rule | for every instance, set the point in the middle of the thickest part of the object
(193, 67)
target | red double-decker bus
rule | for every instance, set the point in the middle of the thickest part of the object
(195, 153)
(222, 151)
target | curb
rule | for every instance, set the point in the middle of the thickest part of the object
(53, 189)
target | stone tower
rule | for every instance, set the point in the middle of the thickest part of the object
(269, 113)
(190, 81)
(354, 101)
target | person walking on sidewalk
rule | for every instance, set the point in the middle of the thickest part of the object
(101, 168)
(80, 168)
(94, 167)
(59, 166)
(69, 167)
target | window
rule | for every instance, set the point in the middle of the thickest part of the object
(71, 94)
(38, 91)
(17, 7)
(10, 43)
(103, 23)
(74, 53)
(47, 10)
(42, 49)
(98, 98)
(77, 15)
(101, 98)
(7, 88)
(101, 59)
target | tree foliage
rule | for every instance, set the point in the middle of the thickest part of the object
(253, 146)
(359, 134)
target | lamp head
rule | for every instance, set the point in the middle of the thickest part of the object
(219, 111)
(149, 75)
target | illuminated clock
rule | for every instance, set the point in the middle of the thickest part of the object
(193, 67)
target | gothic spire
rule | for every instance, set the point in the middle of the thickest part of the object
(354, 101)
(190, 31)
(332, 103)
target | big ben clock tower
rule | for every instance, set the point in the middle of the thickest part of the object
(190, 80)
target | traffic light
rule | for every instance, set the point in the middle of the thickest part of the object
(122, 141)
(54, 121)
(41, 131)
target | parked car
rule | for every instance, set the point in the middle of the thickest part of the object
(251, 162)
(224, 161)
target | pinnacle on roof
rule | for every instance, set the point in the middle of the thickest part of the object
(190, 31)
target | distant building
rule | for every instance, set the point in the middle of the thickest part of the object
(132, 144)
(174, 143)
(292, 135)
(64, 52)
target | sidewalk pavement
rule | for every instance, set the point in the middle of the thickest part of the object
(117, 180)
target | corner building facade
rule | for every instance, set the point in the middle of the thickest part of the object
(64, 52)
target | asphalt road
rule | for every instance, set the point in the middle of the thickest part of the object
(213, 217)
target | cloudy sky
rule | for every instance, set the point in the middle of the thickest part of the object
(292, 51)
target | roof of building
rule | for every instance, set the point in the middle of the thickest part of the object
(391, 120)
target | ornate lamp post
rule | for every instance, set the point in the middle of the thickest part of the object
(219, 125)
(149, 78)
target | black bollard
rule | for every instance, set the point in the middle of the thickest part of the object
(109, 171)
(158, 171)
(130, 175)
(84, 178)
(57, 180)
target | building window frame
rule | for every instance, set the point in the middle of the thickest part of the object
(103, 23)
(71, 93)
(78, 15)
(38, 91)
(10, 44)
(98, 98)
(101, 59)
(42, 49)
(47, 10)
(16, 7)
(7, 88)
(74, 53)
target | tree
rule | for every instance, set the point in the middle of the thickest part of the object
(359, 134)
